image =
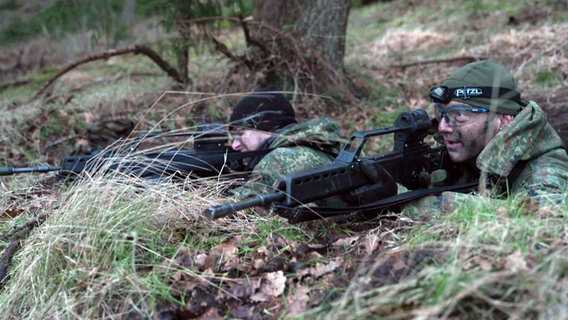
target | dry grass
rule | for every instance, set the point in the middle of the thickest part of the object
(93, 255)
(502, 265)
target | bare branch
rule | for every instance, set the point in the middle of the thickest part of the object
(249, 40)
(465, 59)
(136, 49)
(222, 48)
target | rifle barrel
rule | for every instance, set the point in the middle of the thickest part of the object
(6, 171)
(232, 207)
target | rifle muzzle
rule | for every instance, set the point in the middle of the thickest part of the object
(232, 207)
(6, 171)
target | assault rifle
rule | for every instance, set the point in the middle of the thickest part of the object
(211, 155)
(369, 184)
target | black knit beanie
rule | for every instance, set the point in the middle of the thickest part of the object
(266, 109)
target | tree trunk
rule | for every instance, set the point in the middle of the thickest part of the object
(312, 31)
(319, 25)
(128, 11)
(181, 45)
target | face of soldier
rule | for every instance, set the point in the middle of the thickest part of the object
(249, 140)
(467, 133)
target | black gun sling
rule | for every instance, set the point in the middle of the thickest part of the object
(303, 213)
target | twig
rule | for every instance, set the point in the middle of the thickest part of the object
(248, 39)
(16, 234)
(136, 49)
(449, 60)
(14, 84)
(221, 47)
(60, 141)
(115, 79)
(26, 226)
(5, 261)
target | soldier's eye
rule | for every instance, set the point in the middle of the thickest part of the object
(236, 134)
(460, 116)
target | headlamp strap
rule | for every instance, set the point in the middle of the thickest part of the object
(445, 94)
(485, 92)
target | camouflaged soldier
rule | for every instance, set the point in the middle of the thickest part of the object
(265, 120)
(488, 127)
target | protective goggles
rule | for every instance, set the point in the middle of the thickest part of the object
(455, 116)
(444, 94)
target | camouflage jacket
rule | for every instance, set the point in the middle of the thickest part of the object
(302, 146)
(531, 146)
(529, 152)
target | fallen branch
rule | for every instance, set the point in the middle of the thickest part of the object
(114, 79)
(6, 259)
(16, 235)
(15, 84)
(25, 227)
(436, 61)
(136, 49)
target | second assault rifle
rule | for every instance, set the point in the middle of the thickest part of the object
(211, 155)
(369, 184)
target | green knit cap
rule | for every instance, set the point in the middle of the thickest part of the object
(498, 82)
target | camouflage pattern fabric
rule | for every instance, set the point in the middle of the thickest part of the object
(303, 146)
(528, 139)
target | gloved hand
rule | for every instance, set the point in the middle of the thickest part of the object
(374, 171)
(432, 206)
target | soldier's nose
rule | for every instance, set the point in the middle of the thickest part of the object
(236, 145)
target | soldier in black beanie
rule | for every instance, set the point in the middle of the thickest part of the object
(265, 120)
(266, 109)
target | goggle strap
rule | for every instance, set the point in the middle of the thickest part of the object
(253, 119)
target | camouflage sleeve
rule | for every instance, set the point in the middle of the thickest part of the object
(280, 162)
(547, 185)
(546, 195)
(251, 188)
(447, 202)
(435, 205)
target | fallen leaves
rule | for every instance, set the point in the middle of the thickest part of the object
(10, 213)
(320, 269)
(248, 280)
(517, 262)
(272, 285)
